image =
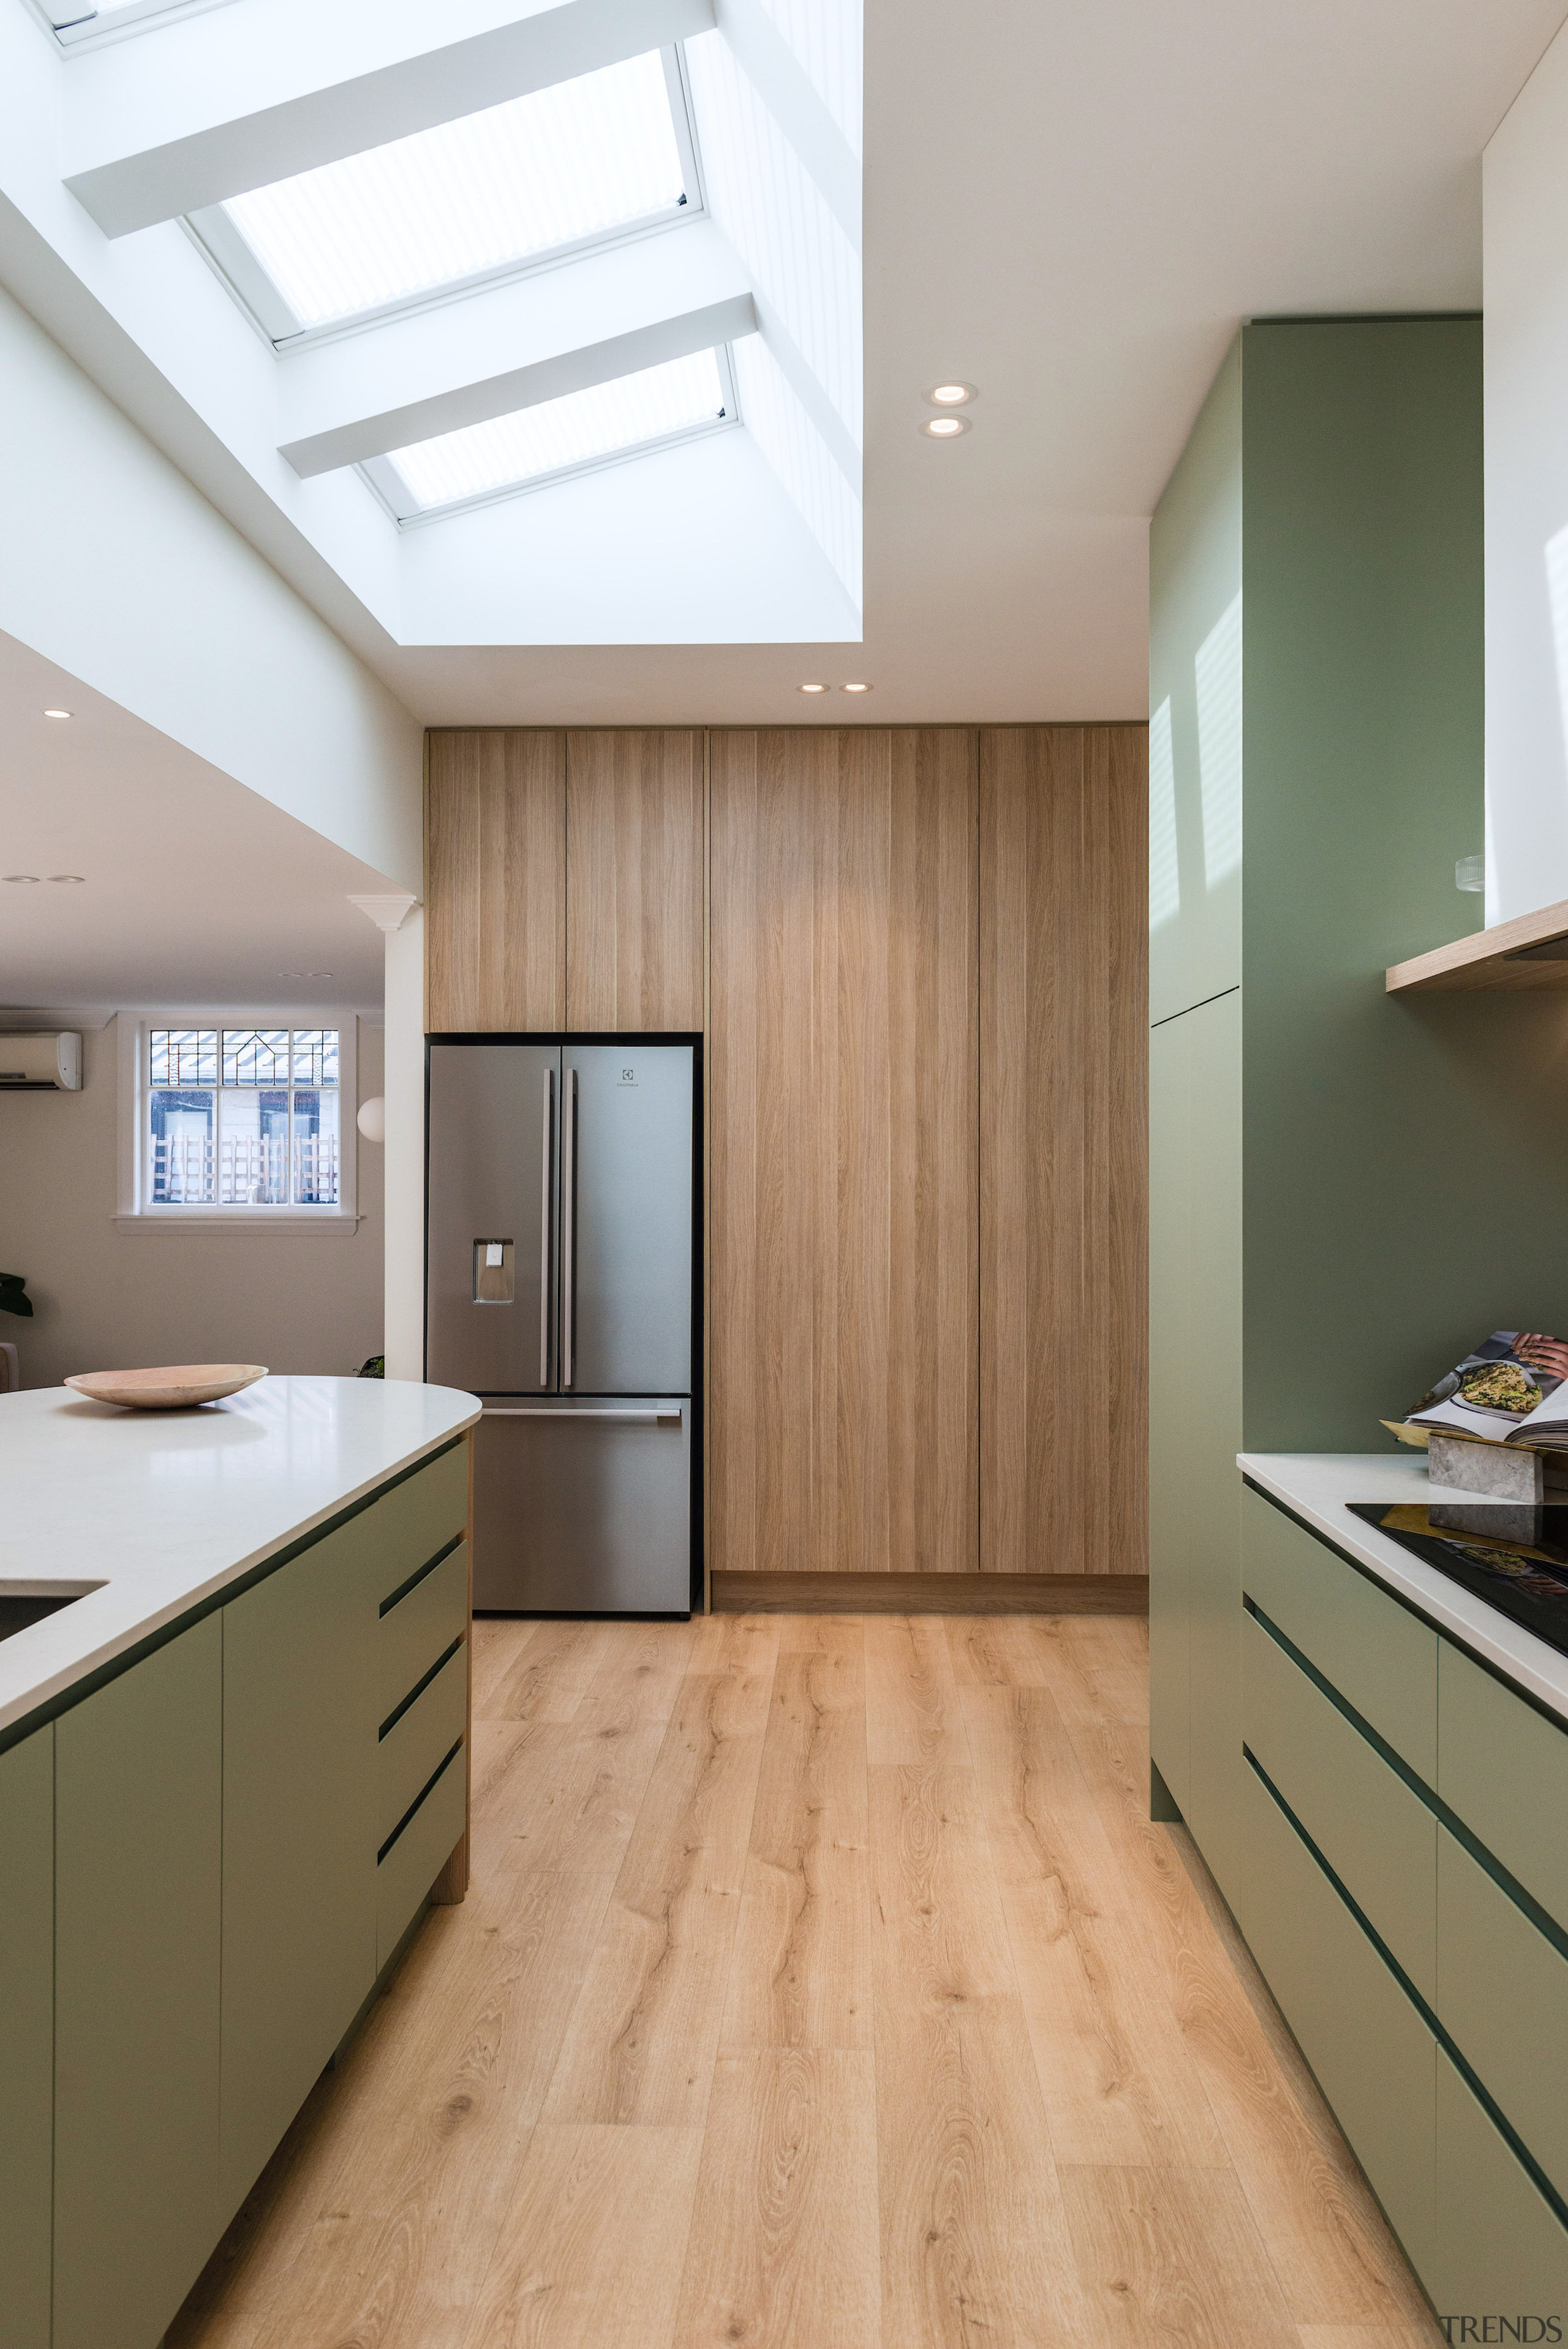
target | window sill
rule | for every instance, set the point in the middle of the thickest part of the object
(278, 1224)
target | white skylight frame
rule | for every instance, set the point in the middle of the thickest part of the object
(87, 27)
(392, 492)
(223, 246)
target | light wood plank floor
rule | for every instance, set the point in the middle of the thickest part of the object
(823, 1985)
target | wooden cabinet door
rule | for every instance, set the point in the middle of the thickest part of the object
(1064, 948)
(495, 855)
(27, 2037)
(300, 1719)
(843, 1047)
(634, 879)
(139, 1774)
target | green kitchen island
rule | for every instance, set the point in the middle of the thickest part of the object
(234, 1769)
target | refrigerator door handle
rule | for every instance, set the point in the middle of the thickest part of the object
(568, 1224)
(570, 1418)
(545, 1236)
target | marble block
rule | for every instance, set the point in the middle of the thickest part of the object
(1500, 1469)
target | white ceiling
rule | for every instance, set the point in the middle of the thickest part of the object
(1073, 206)
(1070, 206)
(196, 891)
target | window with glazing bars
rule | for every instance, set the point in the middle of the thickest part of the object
(244, 1117)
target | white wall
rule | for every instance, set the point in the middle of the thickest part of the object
(104, 1300)
(1525, 249)
(122, 573)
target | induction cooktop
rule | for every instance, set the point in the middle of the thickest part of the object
(1512, 1555)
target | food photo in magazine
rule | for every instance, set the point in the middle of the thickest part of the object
(1512, 1389)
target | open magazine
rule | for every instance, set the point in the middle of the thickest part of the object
(1512, 1389)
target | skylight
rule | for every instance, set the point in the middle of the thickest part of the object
(579, 429)
(574, 161)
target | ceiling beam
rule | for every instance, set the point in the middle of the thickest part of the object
(375, 429)
(507, 345)
(213, 105)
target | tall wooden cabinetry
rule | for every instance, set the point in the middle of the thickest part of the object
(1063, 1150)
(1319, 1248)
(564, 880)
(844, 1068)
(495, 854)
(634, 879)
(918, 958)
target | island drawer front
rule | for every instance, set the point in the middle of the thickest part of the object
(420, 1627)
(27, 2036)
(1502, 1997)
(1373, 1651)
(1378, 1837)
(1374, 2056)
(419, 1856)
(418, 1517)
(419, 1740)
(1498, 2245)
(1504, 1769)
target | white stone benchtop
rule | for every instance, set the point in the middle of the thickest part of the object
(1317, 1486)
(165, 1509)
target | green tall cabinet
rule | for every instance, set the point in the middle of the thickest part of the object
(1320, 1244)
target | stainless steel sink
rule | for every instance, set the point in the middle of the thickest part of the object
(24, 1603)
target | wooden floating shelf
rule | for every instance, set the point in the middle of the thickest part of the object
(1529, 951)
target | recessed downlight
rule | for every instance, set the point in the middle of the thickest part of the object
(18, 876)
(945, 427)
(855, 688)
(951, 395)
(68, 876)
(57, 713)
(810, 689)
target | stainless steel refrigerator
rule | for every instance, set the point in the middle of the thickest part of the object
(560, 1193)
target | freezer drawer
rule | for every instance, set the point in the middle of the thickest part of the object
(583, 1508)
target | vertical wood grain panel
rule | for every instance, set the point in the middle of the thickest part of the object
(1063, 1149)
(842, 1060)
(634, 879)
(495, 880)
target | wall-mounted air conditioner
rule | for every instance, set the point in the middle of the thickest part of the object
(41, 1063)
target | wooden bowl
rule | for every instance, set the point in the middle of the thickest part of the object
(174, 1389)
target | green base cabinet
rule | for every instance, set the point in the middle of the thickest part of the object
(138, 1937)
(299, 1836)
(1500, 2250)
(1382, 1837)
(1516, 2044)
(27, 2037)
(205, 1862)
(1374, 2057)
(1403, 1830)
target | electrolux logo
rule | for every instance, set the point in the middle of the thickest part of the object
(1501, 2328)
